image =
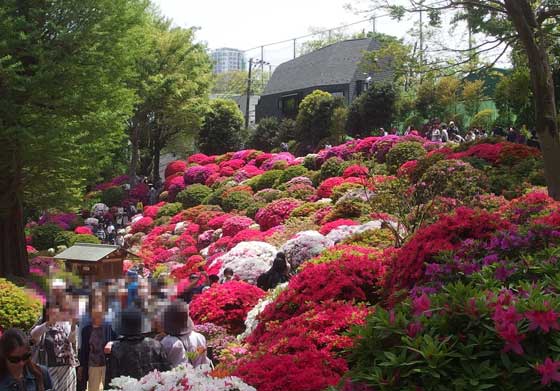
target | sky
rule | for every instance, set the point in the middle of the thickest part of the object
(244, 24)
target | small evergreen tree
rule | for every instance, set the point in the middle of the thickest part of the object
(372, 110)
(314, 118)
(222, 130)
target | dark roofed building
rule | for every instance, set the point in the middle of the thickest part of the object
(334, 68)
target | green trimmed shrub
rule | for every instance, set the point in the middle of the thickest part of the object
(454, 179)
(331, 168)
(237, 200)
(170, 209)
(68, 239)
(193, 195)
(291, 172)
(17, 307)
(264, 181)
(402, 153)
(44, 236)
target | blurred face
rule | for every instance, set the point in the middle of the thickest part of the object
(53, 314)
(16, 359)
(97, 318)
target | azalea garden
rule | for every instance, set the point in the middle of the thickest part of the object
(417, 263)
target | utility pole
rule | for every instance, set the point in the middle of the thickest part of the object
(248, 94)
(421, 39)
(294, 48)
(373, 24)
(262, 66)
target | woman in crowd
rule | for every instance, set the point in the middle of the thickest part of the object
(94, 337)
(182, 344)
(17, 371)
(57, 336)
(277, 274)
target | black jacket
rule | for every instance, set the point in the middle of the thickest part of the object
(83, 353)
(136, 357)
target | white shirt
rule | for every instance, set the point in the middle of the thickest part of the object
(175, 349)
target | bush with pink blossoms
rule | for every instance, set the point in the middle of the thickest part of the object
(236, 224)
(83, 230)
(198, 174)
(142, 225)
(276, 213)
(175, 167)
(355, 170)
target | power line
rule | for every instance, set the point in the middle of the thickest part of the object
(317, 33)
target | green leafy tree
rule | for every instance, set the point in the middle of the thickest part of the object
(174, 78)
(265, 136)
(473, 96)
(314, 117)
(514, 98)
(222, 130)
(372, 110)
(530, 26)
(447, 95)
(64, 102)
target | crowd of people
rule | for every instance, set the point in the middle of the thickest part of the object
(127, 327)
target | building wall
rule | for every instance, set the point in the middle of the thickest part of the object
(269, 105)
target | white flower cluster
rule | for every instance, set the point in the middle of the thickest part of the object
(344, 231)
(304, 246)
(248, 260)
(251, 322)
(180, 379)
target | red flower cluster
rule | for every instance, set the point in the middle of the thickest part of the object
(446, 234)
(325, 189)
(355, 276)
(236, 224)
(226, 305)
(355, 170)
(328, 227)
(142, 225)
(83, 230)
(276, 212)
(307, 370)
(175, 167)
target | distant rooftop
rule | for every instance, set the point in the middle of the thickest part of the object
(86, 252)
(338, 63)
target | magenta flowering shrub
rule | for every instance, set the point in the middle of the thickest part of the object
(198, 174)
(276, 213)
(236, 224)
(175, 167)
(142, 225)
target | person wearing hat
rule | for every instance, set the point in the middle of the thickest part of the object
(183, 345)
(133, 354)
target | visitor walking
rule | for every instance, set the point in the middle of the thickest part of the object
(133, 354)
(56, 335)
(277, 274)
(182, 344)
(94, 337)
(17, 371)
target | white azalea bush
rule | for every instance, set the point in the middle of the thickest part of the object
(181, 378)
(248, 260)
(251, 322)
(304, 246)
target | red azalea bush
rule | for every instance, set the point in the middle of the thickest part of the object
(326, 187)
(276, 212)
(83, 230)
(177, 166)
(407, 168)
(226, 305)
(512, 153)
(142, 225)
(246, 235)
(446, 234)
(236, 224)
(218, 221)
(489, 152)
(199, 158)
(306, 370)
(354, 276)
(328, 227)
(355, 170)
(521, 209)
(191, 266)
(323, 325)
(152, 210)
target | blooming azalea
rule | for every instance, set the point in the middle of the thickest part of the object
(549, 371)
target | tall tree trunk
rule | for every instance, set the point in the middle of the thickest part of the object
(13, 253)
(525, 23)
(155, 168)
(135, 141)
